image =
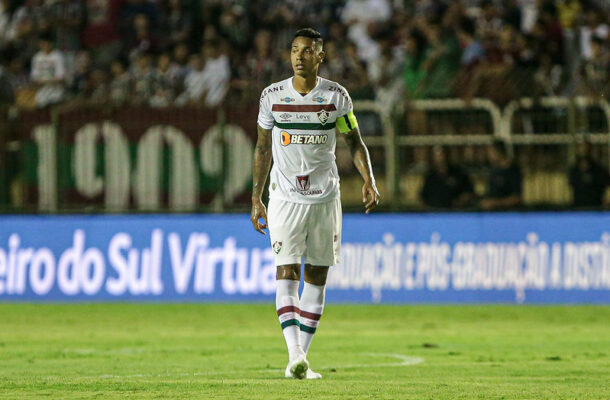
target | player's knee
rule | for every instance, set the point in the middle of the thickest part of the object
(288, 272)
(316, 275)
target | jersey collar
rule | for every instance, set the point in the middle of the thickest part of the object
(308, 95)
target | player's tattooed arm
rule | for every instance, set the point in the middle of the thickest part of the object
(362, 161)
(260, 170)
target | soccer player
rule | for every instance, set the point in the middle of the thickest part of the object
(298, 121)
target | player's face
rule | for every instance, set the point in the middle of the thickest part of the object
(305, 56)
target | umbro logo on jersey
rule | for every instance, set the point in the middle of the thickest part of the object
(288, 139)
(323, 116)
(320, 99)
(286, 117)
(287, 100)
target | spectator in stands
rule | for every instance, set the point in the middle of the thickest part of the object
(25, 96)
(260, 68)
(140, 38)
(234, 24)
(178, 23)
(14, 24)
(164, 82)
(120, 85)
(588, 179)
(100, 87)
(131, 9)
(7, 93)
(414, 72)
(473, 51)
(446, 185)
(142, 77)
(504, 186)
(594, 27)
(82, 71)
(216, 73)
(550, 33)
(100, 33)
(180, 62)
(194, 85)
(48, 73)
(489, 23)
(67, 17)
(595, 71)
(361, 17)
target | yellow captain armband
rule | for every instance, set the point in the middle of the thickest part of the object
(347, 122)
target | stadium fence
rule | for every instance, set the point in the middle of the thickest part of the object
(75, 159)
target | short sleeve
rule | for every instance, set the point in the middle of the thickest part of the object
(265, 116)
(346, 120)
(345, 105)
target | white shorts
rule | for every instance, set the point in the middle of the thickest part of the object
(312, 231)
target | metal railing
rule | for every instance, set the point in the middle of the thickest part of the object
(191, 159)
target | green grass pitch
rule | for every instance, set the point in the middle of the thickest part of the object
(193, 351)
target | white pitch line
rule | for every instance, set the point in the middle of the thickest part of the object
(404, 361)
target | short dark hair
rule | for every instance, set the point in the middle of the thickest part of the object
(309, 33)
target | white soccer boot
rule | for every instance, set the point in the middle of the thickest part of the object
(298, 365)
(312, 375)
(308, 375)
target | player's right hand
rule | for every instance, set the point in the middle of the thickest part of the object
(258, 211)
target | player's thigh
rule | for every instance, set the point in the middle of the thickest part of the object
(287, 231)
(324, 234)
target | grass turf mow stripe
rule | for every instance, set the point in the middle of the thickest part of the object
(211, 351)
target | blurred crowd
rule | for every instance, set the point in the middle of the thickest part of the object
(164, 53)
(449, 185)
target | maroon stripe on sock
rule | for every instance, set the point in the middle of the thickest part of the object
(315, 317)
(288, 309)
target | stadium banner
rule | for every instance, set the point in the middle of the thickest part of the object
(387, 258)
(137, 158)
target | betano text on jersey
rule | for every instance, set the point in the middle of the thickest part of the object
(304, 139)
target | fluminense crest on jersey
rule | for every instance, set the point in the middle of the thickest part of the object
(323, 116)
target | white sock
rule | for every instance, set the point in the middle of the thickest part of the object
(287, 306)
(312, 306)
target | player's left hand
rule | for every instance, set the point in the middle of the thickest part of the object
(370, 196)
(258, 212)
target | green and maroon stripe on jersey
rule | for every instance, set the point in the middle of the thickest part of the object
(309, 321)
(303, 107)
(289, 315)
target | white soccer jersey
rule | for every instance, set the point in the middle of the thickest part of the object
(304, 139)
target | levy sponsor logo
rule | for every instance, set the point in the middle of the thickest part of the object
(303, 117)
(288, 139)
